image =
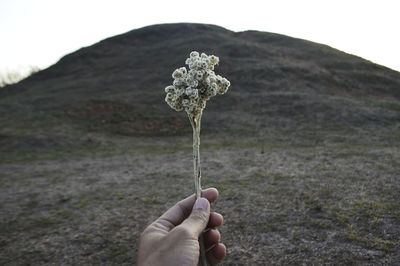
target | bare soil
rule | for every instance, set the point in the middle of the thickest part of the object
(283, 204)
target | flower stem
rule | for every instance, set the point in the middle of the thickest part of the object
(195, 121)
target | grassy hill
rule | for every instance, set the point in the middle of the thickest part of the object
(304, 149)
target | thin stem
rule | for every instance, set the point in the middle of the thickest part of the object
(195, 121)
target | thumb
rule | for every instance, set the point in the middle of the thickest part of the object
(198, 219)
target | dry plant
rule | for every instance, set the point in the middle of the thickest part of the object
(190, 91)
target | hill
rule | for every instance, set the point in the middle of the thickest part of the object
(272, 75)
(306, 140)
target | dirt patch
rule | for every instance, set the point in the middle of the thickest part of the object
(126, 119)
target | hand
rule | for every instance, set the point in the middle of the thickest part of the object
(173, 238)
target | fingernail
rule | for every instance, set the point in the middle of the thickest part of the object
(201, 204)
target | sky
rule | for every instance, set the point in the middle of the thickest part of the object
(39, 32)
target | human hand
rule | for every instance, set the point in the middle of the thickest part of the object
(173, 238)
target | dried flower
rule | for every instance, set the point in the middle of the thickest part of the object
(190, 91)
(195, 86)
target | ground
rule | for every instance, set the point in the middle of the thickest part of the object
(284, 203)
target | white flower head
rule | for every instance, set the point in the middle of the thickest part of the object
(192, 88)
(194, 54)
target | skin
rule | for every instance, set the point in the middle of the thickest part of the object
(173, 238)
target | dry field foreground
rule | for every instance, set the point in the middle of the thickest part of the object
(284, 203)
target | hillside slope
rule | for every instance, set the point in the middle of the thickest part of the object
(272, 76)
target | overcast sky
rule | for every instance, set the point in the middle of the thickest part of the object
(39, 32)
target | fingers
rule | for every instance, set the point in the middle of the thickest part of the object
(210, 193)
(180, 211)
(211, 238)
(216, 254)
(216, 220)
(215, 251)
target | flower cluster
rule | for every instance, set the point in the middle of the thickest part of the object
(192, 88)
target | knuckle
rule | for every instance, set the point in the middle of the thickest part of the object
(183, 231)
(200, 216)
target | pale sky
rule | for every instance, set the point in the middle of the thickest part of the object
(40, 32)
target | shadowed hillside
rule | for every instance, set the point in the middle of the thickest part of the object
(121, 80)
(306, 139)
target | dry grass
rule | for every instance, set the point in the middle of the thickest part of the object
(283, 204)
